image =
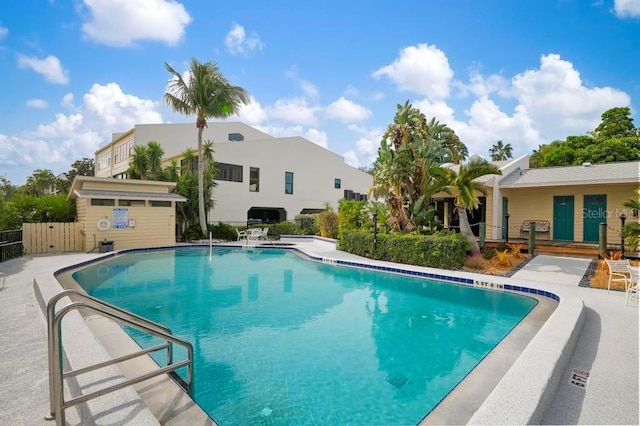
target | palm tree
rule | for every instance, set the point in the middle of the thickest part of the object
(500, 151)
(154, 160)
(631, 231)
(466, 188)
(139, 162)
(205, 93)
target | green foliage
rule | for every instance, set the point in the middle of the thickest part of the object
(192, 233)
(351, 214)
(222, 231)
(614, 140)
(54, 208)
(327, 222)
(286, 228)
(631, 230)
(307, 224)
(445, 249)
(499, 151)
(10, 217)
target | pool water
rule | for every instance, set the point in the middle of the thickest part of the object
(281, 340)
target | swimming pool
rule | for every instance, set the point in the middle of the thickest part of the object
(281, 340)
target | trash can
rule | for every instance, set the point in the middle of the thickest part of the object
(106, 246)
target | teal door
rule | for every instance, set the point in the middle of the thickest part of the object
(563, 217)
(505, 210)
(594, 213)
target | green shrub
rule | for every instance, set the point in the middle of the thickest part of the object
(285, 228)
(328, 224)
(489, 253)
(194, 232)
(222, 231)
(351, 215)
(307, 224)
(446, 250)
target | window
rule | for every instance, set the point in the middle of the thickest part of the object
(104, 160)
(236, 137)
(288, 182)
(194, 165)
(123, 151)
(160, 203)
(229, 172)
(132, 203)
(254, 179)
(102, 202)
(336, 183)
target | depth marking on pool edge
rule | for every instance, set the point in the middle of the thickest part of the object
(579, 378)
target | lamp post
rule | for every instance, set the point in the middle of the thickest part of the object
(506, 225)
(375, 232)
(623, 217)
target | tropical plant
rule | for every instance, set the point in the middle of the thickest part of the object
(516, 250)
(501, 258)
(139, 162)
(408, 163)
(499, 151)
(40, 182)
(631, 230)
(205, 93)
(463, 183)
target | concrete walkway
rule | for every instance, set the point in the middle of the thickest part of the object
(607, 347)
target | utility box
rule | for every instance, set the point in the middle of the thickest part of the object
(106, 246)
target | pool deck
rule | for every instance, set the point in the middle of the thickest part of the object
(604, 342)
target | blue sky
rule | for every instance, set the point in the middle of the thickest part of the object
(524, 72)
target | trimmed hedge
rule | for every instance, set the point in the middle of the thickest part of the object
(444, 250)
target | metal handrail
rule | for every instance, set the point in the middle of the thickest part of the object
(57, 375)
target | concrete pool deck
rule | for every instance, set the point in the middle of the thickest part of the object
(606, 347)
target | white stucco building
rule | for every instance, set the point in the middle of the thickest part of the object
(259, 176)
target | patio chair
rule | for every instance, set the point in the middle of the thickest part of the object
(618, 272)
(265, 231)
(241, 234)
(634, 283)
(254, 233)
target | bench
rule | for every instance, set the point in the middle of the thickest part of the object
(542, 226)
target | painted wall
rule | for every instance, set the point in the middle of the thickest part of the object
(537, 203)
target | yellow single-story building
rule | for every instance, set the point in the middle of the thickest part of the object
(118, 214)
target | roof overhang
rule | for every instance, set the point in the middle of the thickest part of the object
(129, 195)
(571, 183)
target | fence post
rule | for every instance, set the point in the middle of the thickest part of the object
(483, 232)
(532, 237)
(602, 240)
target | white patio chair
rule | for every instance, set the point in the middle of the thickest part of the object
(254, 233)
(241, 234)
(634, 283)
(618, 272)
(265, 231)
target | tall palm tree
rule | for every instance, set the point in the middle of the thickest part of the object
(154, 160)
(205, 93)
(499, 151)
(139, 162)
(466, 191)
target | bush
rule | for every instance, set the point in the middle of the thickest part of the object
(222, 231)
(446, 250)
(307, 224)
(328, 224)
(192, 233)
(285, 228)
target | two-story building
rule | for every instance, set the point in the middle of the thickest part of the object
(260, 177)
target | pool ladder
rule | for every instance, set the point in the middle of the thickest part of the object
(57, 402)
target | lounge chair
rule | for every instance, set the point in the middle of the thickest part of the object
(634, 283)
(254, 234)
(618, 272)
(241, 234)
(265, 231)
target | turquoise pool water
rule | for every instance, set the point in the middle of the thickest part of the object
(280, 340)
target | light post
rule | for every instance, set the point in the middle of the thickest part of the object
(375, 232)
(506, 225)
(623, 217)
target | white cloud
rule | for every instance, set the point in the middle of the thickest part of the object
(352, 91)
(294, 111)
(376, 96)
(558, 102)
(118, 110)
(366, 146)
(37, 103)
(627, 8)
(480, 85)
(50, 67)
(67, 100)
(347, 111)
(57, 144)
(309, 89)
(3, 31)
(122, 22)
(422, 69)
(237, 41)
(252, 113)
(316, 136)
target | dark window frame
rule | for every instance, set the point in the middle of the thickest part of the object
(256, 171)
(160, 203)
(110, 202)
(337, 183)
(229, 172)
(288, 186)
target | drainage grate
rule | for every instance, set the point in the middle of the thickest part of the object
(579, 378)
(396, 379)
